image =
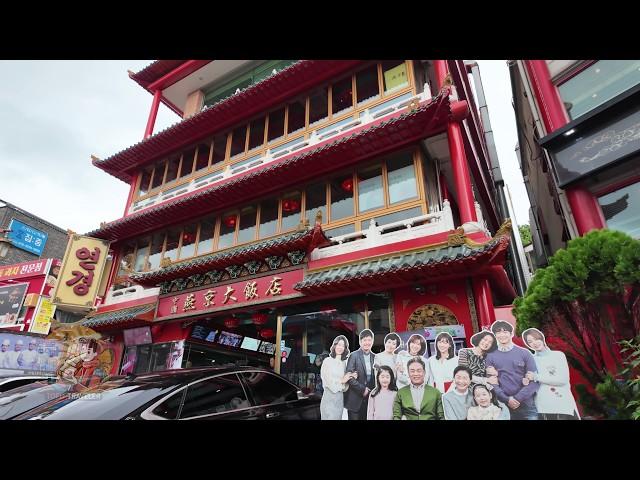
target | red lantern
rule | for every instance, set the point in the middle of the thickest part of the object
(231, 322)
(260, 318)
(230, 221)
(359, 306)
(290, 205)
(347, 184)
(267, 333)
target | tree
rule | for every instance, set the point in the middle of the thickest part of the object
(525, 234)
(587, 301)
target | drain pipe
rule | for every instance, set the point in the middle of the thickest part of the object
(516, 254)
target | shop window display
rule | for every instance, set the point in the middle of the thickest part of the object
(308, 331)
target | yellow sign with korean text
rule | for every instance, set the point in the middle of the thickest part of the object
(42, 321)
(80, 273)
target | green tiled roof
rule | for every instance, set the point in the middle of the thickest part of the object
(114, 317)
(302, 240)
(436, 262)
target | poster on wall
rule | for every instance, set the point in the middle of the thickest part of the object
(42, 320)
(25, 354)
(11, 300)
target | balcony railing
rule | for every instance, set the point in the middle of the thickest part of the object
(375, 236)
(317, 137)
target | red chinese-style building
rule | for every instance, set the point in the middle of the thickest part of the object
(299, 200)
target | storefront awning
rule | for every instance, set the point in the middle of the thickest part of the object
(459, 258)
(415, 124)
(126, 317)
(304, 241)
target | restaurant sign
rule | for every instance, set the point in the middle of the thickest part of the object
(254, 291)
(612, 141)
(80, 273)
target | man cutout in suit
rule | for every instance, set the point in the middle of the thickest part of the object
(418, 401)
(356, 398)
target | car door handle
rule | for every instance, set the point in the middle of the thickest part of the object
(272, 414)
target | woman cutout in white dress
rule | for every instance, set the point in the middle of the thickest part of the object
(334, 379)
(443, 363)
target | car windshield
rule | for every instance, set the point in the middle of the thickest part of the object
(109, 401)
(24, 398)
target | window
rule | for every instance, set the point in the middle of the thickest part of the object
(247, 230)
(172, 168)
(157, 243)
(342, 94)
(219, 149)
(169, 408)
(188, 248)
(318, 105)
(207, 229)
(227, 230)
(202, 157)
(187, 162)
(367, 84)
(268, 218)
(256, 133)
(402, 178)
(213, 396)
(238, 140)
(276, 124)
(296, 116)
(597, 84)
(290, 211)
(341, 197)
(338, 231)
(173, 239)
(394, 75)
(316, 199)
(144, 181)
(158, 175)
(267, 389)
(141, 255)
(621, 209)
(370, 192)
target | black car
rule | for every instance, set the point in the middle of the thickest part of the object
(21, 399)
(8, 382)
(212, 393)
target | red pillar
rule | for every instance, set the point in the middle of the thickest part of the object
(585, 207)
(483, 301)
(459, 165)
(153, 113)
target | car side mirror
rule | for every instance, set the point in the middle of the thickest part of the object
(301, 395)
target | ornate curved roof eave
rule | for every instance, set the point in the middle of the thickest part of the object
(303, 240)
(411, 126)
(461, 257)
(129, 317)
(225, 113)
(154, 71)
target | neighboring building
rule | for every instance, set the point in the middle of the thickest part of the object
(30, 237)
(301, 200)
(579, 137)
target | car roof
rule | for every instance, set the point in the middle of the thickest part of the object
(180, 376)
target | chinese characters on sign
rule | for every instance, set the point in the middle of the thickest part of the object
(268, 288)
